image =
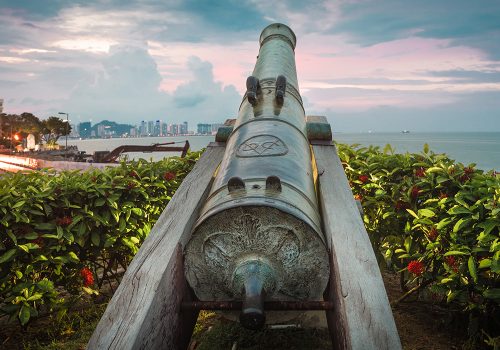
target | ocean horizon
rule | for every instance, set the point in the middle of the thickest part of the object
(480, 148)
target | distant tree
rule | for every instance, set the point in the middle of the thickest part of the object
(53, 128)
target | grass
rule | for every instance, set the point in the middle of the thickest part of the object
(74, 330)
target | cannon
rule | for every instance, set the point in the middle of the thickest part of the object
(258, 236)
(265, 221)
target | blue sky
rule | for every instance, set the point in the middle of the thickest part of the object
(382, 65)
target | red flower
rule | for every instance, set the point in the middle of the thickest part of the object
(400, 205)
(414, 192)
(169, 176)
(134, 174)
(464, 178)
(451, 262)
(363, 178)
(64, 221)
(432, 234)
(442, 195)
(420, 172)
(358, 197)
(88, 277)
(416, 267)
(39, 241)
(469, 170)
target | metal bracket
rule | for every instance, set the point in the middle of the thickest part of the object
(318, 129)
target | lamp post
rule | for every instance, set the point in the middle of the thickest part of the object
(67, 121)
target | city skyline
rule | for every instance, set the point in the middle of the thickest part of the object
(366, 65)
(154, 128)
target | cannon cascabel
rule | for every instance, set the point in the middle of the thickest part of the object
(258, 236)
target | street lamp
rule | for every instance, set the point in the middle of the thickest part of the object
(67, 121)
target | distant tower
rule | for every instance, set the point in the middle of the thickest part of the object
(1, 111)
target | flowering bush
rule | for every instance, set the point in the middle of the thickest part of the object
(66, 233)
(435, 221)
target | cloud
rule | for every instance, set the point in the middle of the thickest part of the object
(369, 22)
(127, 89)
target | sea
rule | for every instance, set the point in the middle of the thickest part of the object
(480, 148)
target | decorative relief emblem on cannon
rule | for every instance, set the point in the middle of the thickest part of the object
(277, 241)
(262, 146)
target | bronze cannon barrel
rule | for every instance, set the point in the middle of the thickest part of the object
(258, 236)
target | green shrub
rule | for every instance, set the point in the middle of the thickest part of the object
(435, 221)
(62, 235)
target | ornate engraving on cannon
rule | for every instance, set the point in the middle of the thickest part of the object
(277, 239)
(262, 146)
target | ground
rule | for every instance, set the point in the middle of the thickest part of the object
(420, 326)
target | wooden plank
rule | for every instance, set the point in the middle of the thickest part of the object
(144, 311)
(362, 317)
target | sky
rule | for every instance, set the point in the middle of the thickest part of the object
(379, 65)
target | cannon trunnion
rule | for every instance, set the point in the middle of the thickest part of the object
(258, 236)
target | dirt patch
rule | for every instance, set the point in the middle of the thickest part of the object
(420, 325)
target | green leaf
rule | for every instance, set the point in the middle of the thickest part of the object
(434, 170)
(45, 285)
(461, 224)
(122, 224)
(443, 223)
(24, 247)
(492, 293)
(137, 211)
(45, 226)
(95, 238)
(472, 268)
(90, 291)
(412, 213)
(81, 229)
(455, 252)
(100, 202)
(458, 210)
(34, 297)
(489, 225)
(7, 256)
(31, 235)
(426, 212)
(60, 232)
(18, 204)
(462, 202)
(407, 244)
(24, 314)
(426, 148)
(485, 263)
(73, 256)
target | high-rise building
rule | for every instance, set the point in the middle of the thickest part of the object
(173, 129)
(151, 127)
(183, 128)
(143, 129)
(1, 111)
(204, 129)
(157, 128)
(84, 129)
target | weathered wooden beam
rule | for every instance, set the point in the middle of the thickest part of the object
(144, 312)
(361, 318)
